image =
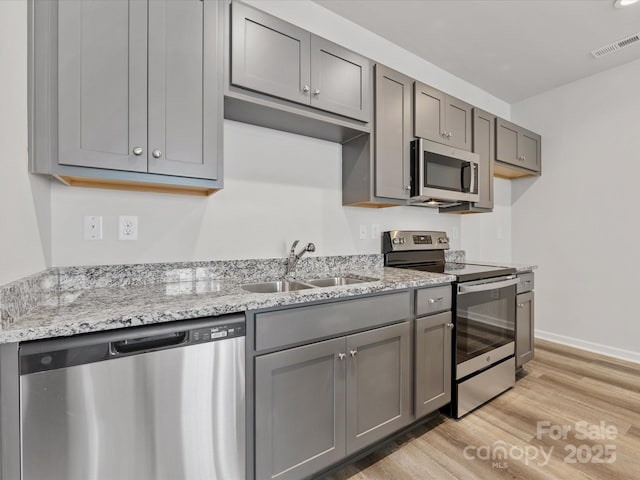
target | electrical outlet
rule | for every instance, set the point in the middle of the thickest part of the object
(375, 231)
(93, 227)
(363, 232)
(128, 227)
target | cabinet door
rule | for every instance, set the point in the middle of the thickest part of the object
(392, 133)
(433, 363)
(378, 384)
(507, 142)
(102, 84)
(429, 113)
(300, 410)
(524, 328)
(529, 149)
(484, 141)
(269, 55)
(339, 80)
(185, 88)
(458, 123)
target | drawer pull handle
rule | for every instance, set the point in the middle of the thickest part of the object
(435, 300)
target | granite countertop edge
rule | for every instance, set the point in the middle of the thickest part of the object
(101, 309)
(520, 267)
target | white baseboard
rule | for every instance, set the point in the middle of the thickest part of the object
(590, 346)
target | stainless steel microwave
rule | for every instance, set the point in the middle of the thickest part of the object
(442, 175)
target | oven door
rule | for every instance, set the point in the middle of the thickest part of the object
(485, 323)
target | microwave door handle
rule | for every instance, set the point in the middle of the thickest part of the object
(462, 289)
(474, 169)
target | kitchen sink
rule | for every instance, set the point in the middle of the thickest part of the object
(336, 281)
(275, 286)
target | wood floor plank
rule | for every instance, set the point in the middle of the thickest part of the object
(563, 386)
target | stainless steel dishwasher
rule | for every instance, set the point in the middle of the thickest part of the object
(163, 402)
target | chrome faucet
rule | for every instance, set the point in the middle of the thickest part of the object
(292, 261)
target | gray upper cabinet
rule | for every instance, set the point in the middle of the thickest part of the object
(185, 135)
(441, 118)
(276, 58)
(433, 363)
(392, 123)
(339, 80)
(516, 147)
(102, 84)
(128, 94)
(378, 384)
(484, 141)
(300, 410)
(269, 55)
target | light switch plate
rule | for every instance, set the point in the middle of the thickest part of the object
(93, 227)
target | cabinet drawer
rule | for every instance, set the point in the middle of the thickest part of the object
(296, 325)
(525, 282)
(432, 300)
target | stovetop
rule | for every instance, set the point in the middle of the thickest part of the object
(424, 251)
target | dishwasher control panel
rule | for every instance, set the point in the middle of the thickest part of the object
(218, 332)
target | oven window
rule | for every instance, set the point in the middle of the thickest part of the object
(484, 321)
(446, 173)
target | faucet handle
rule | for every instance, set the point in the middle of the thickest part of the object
(293, 247)
(310, 247)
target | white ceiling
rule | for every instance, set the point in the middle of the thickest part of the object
(513, 49)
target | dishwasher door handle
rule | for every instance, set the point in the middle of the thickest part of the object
(484, 287)
(142, 344)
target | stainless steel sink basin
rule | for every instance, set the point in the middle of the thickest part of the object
(336, 281)
(275, 286)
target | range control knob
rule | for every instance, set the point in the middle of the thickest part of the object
(442, 240)
(395, 241)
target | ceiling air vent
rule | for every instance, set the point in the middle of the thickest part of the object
(615, 46)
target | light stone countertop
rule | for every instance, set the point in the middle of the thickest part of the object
(71, 312)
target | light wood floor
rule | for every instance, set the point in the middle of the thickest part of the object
(563, 386)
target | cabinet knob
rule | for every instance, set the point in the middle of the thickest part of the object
(407, 187)
(138, 151)
(306, 89)
(342, 356)
(353, 353)
(316, 93)
(449, 134)
(521, 305)
(450, 325)
(156, 153)
(443, 133)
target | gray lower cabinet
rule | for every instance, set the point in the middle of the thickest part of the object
(276, 58)
(441, 118)
(317, 403)
(516, 147)
(433, 363)
(300, 410)
(524, 328)
(378, 384)
(128, 86)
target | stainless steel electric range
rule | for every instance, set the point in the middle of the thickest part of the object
(484, 313)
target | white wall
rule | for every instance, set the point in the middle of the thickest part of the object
(579, 220)
(24, 199)
(278, 187)
(487, 236)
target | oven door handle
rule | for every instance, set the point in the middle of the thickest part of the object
(462, 289)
